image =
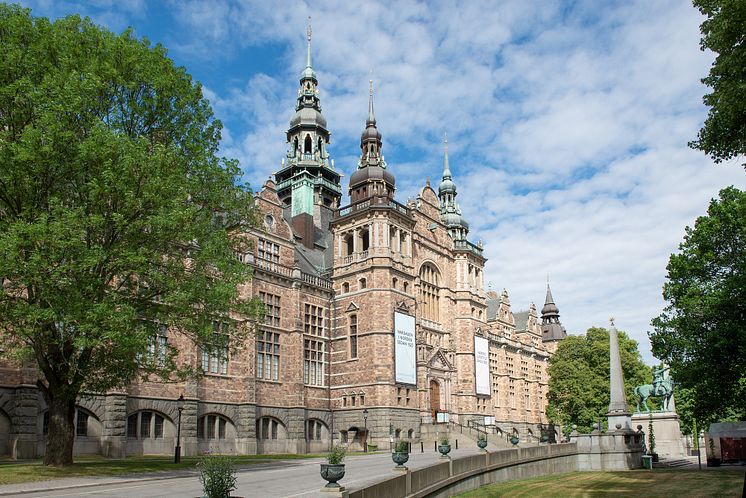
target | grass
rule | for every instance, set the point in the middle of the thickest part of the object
(28, 471)
(659, 483)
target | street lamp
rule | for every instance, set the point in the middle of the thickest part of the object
(365, 420)
(177, 451)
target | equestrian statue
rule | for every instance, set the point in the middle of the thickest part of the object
(662, 387)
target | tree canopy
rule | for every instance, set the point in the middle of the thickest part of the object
(702, 332)
(117, 216)
(723, 135)
(579, 378)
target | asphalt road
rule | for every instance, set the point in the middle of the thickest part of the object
(293, 478)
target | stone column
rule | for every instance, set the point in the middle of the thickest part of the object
(24, 420)
(618, 411)
(114, 437)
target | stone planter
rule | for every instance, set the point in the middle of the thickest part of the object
(647, 462)
(482, 443)
(332, 473)
(444, 450)
(655, 457)
(514, 440)
(400, 458)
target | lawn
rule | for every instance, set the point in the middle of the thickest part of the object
(659, 483)
(27, 471)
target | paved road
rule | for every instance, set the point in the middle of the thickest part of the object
(288, 479)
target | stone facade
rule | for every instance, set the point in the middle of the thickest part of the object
(322, 365)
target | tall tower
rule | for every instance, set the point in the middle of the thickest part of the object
(551, 327)
(307, 176)
(371, 178)
(450, 213)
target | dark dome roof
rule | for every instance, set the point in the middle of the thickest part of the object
(372, 173)
(308, 116)
(549, 308)
(370, 132)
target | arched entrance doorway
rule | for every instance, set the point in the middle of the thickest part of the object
(434, 398)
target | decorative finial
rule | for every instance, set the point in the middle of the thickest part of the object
(308, 50)
(370, 82)
(308, 29)
(611, 321)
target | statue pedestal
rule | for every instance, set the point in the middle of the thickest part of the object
(668, 439)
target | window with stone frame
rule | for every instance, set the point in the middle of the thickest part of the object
(313, 362)
(430, 292)
(267, 254)
(268, 355)
(211, 427)
(353, 336)
(158, 346)
(81, 423)
(314, 429)
(145, 425)
(313, 320)
(271, 308)
(215, 358)
(269, 428)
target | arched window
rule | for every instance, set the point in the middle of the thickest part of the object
(410, 433)
(394, 282)
(308, 145)
(316, 430)
(86, 423)
(353, 336)
(270, 428)
(214, 426)
(148, 425)
(430, 292)
(345, 288)
(363, 283)
(349, 243)
(365, 239)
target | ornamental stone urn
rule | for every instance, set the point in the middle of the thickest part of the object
(400, 458)
(444, 448)
(514, 440)
(332, 473)
(482, 443)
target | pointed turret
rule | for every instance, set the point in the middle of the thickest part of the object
(307, 177)
(551, 327)
(371, 178)
(450, 213)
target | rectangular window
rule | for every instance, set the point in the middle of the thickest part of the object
(215, 361)
(201, 428)
(221, 428)
(267, 255)
(158, 427)
(81, 424)
(132, 426)
(313, 320)
(210, 427)
(145, 425)
(353, 336)
(268, 355)
(313, 363)
(271, 308)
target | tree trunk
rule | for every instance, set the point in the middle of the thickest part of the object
(61, 431)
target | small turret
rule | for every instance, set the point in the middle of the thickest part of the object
(551, 327)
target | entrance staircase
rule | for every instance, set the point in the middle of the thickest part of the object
(467, 436)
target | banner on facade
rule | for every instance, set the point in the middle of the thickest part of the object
(482, 365)
(406, 360)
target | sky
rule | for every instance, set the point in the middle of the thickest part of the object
(567, 122)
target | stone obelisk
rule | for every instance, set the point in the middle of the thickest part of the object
(618, 411)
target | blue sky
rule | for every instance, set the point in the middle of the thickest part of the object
(567, 121)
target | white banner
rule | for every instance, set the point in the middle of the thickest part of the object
(482, 365)
(406, 364)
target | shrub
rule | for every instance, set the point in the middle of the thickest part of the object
(217, 475)
(401, 447)
(337, 454)
(444, 440)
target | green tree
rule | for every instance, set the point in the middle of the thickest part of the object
(116, 214)
(702, 332)
(579, 378)
(723, 135)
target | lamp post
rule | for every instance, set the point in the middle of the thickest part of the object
(177, 451)
(365, 421)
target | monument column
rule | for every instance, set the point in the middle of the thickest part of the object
(618, 411)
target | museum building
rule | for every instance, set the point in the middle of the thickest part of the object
(376, 326)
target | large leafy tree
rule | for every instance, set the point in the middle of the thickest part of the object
(579, 378)
(702, 332)
(723, 135)
(116, 214)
